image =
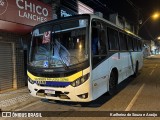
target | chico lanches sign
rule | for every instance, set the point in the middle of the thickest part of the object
(29, 12)
(36, 11)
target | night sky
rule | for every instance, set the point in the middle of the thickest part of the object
(145, 8)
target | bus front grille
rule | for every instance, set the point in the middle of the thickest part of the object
(59, 94)
(54, 84)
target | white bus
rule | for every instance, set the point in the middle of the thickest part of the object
(80, 58)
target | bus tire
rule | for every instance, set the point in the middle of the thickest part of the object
(113, 82)
(136, 70)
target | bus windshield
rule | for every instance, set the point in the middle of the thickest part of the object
(60, 44)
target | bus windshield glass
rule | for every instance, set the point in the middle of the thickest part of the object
(59, 45)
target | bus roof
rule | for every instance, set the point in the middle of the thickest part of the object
(112, 24)
(91, 16)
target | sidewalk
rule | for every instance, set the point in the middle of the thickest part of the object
(10, 101)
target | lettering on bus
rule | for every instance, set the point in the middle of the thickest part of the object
(52, 79)
(31, 11)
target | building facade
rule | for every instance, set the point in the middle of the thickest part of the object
(17, 18)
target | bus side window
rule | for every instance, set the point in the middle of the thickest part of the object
(123, 41)
(98, 43)
(113, 39)
(95, 39)
(130, 43)
(135, 44)
(98, 39)
(102, 42)
(139, 45)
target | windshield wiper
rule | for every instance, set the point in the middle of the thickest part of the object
(54, 44)
(63, 63)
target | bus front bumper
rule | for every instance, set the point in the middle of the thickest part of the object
(81, 93)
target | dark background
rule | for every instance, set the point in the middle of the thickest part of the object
(133, 10)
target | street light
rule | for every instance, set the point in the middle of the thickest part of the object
(154, 17)
(158, 38)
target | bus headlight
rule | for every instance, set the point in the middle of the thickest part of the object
(80, 80)
(31, 81)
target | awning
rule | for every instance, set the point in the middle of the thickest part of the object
(15, 27)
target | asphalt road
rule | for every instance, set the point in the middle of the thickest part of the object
(135, 94)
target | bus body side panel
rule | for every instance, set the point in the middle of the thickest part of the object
(120, 61)
(140, 57)
(101, 74)
(99, 79)
(124, 65)
(131, 60)
(137, 56)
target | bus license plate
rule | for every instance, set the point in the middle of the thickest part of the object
(50, 91)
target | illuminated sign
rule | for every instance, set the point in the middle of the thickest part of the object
(31, 11)
(28, 12)
(84, 9)
(65, 14)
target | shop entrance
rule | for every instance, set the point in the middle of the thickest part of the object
(6, 66)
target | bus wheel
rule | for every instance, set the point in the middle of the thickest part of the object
(136, 70)
(113, 82)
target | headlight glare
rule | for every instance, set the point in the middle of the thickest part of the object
(80, 80)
